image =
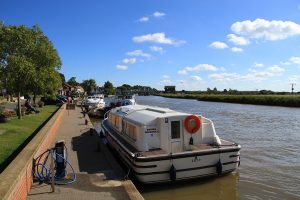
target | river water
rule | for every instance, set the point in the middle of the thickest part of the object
(270, 155)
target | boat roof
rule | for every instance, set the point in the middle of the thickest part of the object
(144, 115)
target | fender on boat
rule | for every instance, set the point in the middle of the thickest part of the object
(172, 173)
(219, 167)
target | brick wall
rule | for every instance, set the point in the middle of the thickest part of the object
(20, 181)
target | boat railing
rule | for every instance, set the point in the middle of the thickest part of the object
(105, 115)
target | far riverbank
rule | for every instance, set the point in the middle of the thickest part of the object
(270, 100)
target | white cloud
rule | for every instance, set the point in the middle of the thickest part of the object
(236, 49)
(196, 78)
(129, 60)
(224, 76)
(166, 77)
(182, 72)
(157, 49)
(218, 45)
(121, 67)
(166, 82)
(295, 60)
(157, 38)
(255, 64)
(181, 82)
(158, 14)
(137, 53)
(197, 68)
(257, 76)
(276, 69)
(155, 15)
(267, 30)
(222, 69)
(285, 63)
(294, 78)
(144, 19)
(253, 75)
(202, 67)
(237, 40)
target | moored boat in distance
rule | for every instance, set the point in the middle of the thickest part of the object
(120, 100)
(95, 101)
(162, 145)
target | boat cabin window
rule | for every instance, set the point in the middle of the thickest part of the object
(131, 131)
(175, 129)
(117, 121)
(123, 127)
(111, 118)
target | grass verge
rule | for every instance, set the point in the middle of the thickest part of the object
(271, 100)
(15, 134)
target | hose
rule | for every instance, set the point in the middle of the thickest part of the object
(43, 172)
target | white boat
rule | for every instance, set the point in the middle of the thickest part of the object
(162, 145)
(96, 101)
(121, 100)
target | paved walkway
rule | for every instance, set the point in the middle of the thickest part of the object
(99, 176)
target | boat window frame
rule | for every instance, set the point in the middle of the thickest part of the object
(178, 132)
(117, 119)
(131, 131)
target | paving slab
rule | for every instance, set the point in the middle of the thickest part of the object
(99, 175)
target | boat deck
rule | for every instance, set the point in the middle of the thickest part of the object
(201, 146)
(154, 152)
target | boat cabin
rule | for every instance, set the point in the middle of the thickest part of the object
(148, 128)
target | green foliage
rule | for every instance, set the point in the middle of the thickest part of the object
(72, 81)
(89, 85)
(124, 88)
(28, 61)
(272, 100)
(62, 77)
(5, 113)
(108, 88)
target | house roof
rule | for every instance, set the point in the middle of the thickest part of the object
(67, 85)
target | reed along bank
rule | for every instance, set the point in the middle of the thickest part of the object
(270, 100)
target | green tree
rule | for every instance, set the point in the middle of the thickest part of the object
(89, 85)
(62, 77)
(108, 88)
(125, 88)
(28, 60)
(72, 81)
(46, 62)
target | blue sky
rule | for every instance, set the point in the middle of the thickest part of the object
(193, 44)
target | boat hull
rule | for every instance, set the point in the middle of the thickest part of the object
(186, 165)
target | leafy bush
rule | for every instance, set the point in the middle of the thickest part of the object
(41, 104)
(23, 110)
(5, 113)
(272, 100)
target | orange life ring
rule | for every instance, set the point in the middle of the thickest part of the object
(192, 123)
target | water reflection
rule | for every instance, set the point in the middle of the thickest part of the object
(225, 187)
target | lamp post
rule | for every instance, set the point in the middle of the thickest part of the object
(293, 84)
